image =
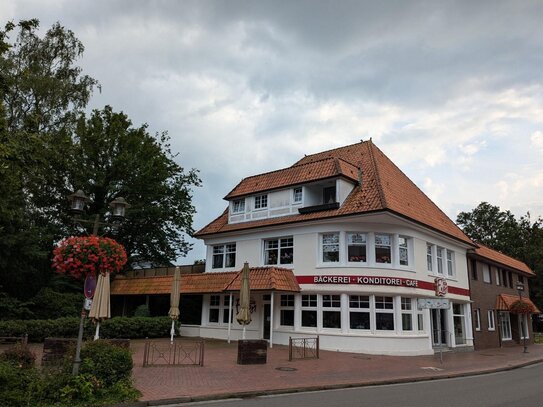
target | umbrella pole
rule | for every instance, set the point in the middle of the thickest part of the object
(172, 331)
(97, 333)
(243, 334)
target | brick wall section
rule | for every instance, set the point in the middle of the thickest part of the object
(484, 297)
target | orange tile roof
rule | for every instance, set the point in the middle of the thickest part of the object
(504, 302)
(261, 278)
(300, 174)
(503, 259)
(384, 188)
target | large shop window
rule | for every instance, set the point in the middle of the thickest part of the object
(279, 251)
(309, 310)
(287, 310)
(214, 308)
(356, 247)
(383, 248)
(331, 311)
(384, 313)
(459, 324)
(330, 247)
(218, 310)
(226, 303)
(359, 312)
(224, 255)
(407, 314)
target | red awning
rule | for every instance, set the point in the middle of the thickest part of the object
(505, 301)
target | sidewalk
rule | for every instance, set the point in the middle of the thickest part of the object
(222, 377)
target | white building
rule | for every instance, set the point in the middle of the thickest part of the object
(361, 241)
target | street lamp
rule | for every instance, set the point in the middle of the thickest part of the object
(78, 201)
(520, 289)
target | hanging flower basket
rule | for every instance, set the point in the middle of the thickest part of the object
(79, 256)
(521, 307)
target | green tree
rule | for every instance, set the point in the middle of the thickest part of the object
(109, 158)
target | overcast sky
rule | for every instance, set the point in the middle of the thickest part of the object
(451, 91)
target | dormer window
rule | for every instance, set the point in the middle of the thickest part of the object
(329, 194)
(261, 201)
(297, 195)
(238, 206)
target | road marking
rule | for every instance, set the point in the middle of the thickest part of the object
(197, 403)
(433, 369)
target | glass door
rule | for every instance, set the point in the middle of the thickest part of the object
(439, 332)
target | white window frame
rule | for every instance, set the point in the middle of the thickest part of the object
(430, 257)
(385, 311)
(286, 303)
(356, 299)
(381, 245)
(323, 244)
(283, 243)
(523, 320)
(406, 248)
(310, 307)
(225, 250)
(477, 319)
(238, 206)
(487, 276)
(407, 309)
(213, 307)
(498, 276)
(334, 305)
(349, 243)
(450, 263)
(505, 325)
(491, 320)
(440, 260)
(261, 202)
(297, 195)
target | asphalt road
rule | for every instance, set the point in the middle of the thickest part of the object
(519, 387)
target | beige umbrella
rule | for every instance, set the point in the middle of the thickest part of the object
(244, 315)
(174, 300)
(100, 308)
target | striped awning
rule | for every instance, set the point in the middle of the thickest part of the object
(505, 301)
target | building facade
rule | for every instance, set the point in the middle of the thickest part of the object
(365, 246)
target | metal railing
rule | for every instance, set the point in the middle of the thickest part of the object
(23, 339)
(303, 348)
(178, 353)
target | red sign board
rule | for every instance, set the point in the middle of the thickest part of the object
(90, 285)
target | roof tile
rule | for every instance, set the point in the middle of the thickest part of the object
(503, 259)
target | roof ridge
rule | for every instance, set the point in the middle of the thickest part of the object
(327, 151)
(377, 175)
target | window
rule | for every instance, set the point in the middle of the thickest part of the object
(309, 310)
(224, 255)
(214, 308)
(287, 310)
(403, 250)
(474, 270)
(331, 311)
(382, 249)
(407, 315)
(504, 277)
(297, 195)
(450, 263)
(505, 325)
(487, 278)
(384, 313)
(420, 321)
(359, 312)
(520, 279)
(356, 247)
(330, 247)
(477, 318)
(261, 201)
(439, 257)
(459, 324)
(238, 206)
(523, 326)
(429, 257)
(498, 274)
(279, 251)
(329, 195)
(226, 303)
(491, 323)
(510, 278)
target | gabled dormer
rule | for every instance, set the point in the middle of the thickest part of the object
(316, 186)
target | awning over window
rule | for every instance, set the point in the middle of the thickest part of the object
(261, 279)
(505, 301)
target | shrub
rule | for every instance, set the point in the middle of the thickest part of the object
(108, 363)
(16, 385)
(19, 355)
(50, 304)
(142, 311)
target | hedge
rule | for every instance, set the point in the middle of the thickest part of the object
(118, 327)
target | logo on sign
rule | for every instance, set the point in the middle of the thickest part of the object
(441, 286)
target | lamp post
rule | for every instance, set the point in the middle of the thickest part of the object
(520, 289)
(78, 201)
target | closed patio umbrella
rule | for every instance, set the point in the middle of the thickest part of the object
(100, 308)
(244, 315)
(174, 300)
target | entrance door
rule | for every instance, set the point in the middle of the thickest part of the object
(439, 331)
(267, 321)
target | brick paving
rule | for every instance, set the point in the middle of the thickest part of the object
(222, 376)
